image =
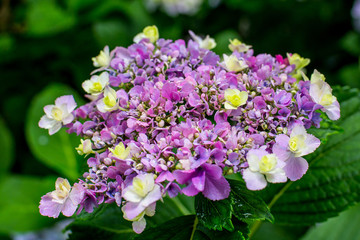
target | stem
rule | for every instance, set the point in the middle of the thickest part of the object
(194, 228)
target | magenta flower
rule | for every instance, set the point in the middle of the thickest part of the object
(64, 199)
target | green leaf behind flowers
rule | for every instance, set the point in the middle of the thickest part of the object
(188, 227)
(106, 222)
(332, 182)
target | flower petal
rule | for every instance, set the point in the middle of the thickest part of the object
(295, 168)
(216, 189)
(254, 180)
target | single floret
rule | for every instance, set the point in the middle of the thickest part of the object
(263, 168)
(64, 199)
(59, 114)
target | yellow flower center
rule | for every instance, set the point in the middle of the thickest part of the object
(267, 163)
(96, 87)
(327, 100)
(57, 113)
(120, 151)
(235, 97)
(297, 143)
(139, 187)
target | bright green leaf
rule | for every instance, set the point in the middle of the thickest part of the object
(7, 147)
(214, 215)
(56, 151)
(19, 204)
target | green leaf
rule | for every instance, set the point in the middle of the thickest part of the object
(240, 232)
(344, 227)
(189, 227)
(7, 146)
(56, 151)
(45, 17)
(176, 229)
(246, 204)
(19, 204)
(332, 182)
(214, 215)
(106, 222)
(171, 208)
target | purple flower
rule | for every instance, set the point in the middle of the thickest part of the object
(207, 179)
(64, 199)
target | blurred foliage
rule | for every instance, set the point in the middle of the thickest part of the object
(52, 41)
(345, 227)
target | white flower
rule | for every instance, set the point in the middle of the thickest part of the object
(141, 196)
(149, 32)
(109, 102)
(85, 147)
(321, 93)
(237, 45)
(96, 84)
(232, 63)
(263, 168)
(103, 59)
(207, 42)
(58, 114)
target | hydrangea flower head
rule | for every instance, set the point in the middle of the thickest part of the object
(169, 117)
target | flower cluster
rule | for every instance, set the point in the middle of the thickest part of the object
(168, 117)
